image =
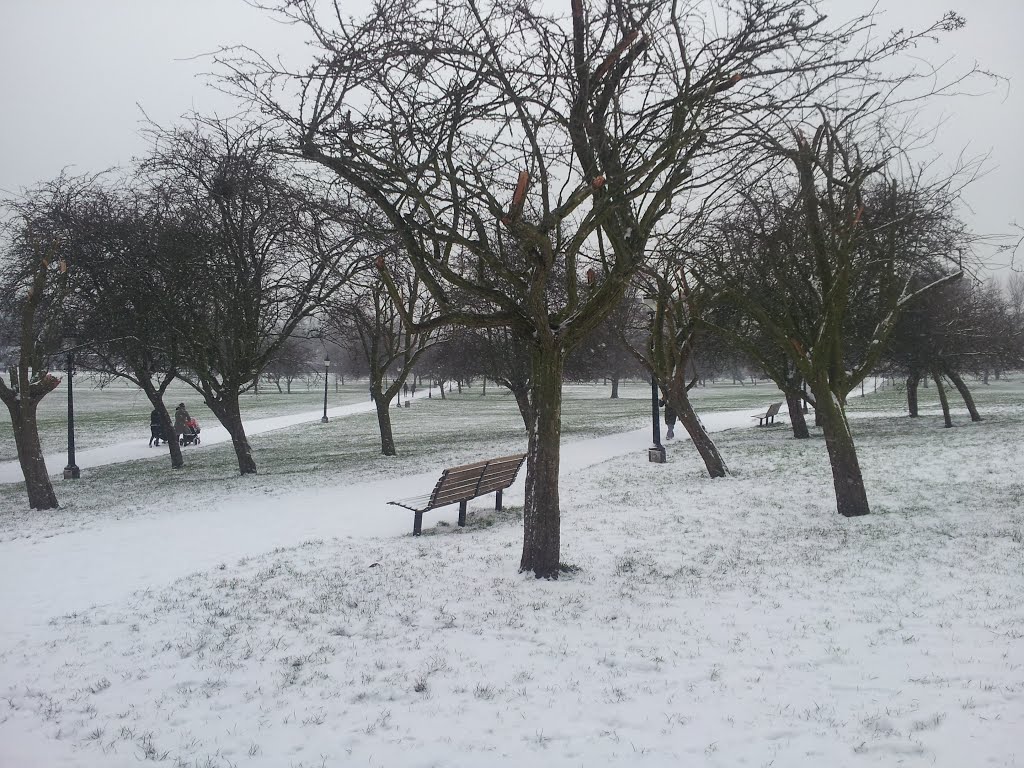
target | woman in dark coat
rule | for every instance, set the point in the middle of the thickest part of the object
(180, 418)
(155, 432)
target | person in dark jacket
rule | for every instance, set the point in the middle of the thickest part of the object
(181, 418)
(155, 429)
(670, 419)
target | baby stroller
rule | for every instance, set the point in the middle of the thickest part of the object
(190, 434)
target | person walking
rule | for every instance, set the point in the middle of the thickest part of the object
(670, 421)
(181, 418)
(155, 430)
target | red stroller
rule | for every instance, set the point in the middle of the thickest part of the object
(190, 435)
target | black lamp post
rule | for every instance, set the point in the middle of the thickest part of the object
(655, 454)
(71, 471)
(327, 367)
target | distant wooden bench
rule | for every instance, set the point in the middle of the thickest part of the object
(769, 416)
(460, 484)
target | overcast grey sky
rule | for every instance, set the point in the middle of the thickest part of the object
(77, 74)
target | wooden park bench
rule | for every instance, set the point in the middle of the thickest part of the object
(460, 484)
(769, 416)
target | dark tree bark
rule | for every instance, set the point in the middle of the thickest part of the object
(965, 393)
(155, 396)
(228, 413)
(943, 400)
(702, 441)
(541, 537)
(387, 437)
(847, 479)
(794, 401)
(30, 456)
(615, 387)
(912, 382)
(28, 378)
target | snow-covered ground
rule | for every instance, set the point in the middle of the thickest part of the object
(290, 620)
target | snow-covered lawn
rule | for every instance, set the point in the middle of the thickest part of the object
(202, 619)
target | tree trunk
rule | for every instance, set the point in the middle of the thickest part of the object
(701, 439)
(943, 400)
(615, 387)
(912, 382)
(30, 455)
(387, 437)
(522, 396)
(541, 517)
(965, 393)
(851, 496)
(166, 422)
(794, 402)
(229, 414)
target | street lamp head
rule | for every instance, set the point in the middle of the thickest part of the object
(327, 361)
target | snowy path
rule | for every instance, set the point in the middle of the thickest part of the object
(10, 471)
(65, 573)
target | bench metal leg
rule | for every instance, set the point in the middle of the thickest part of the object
(497, 501)
(462, 513)
(417, 525)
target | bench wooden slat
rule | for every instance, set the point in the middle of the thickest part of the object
(769, 415)
(460, 484)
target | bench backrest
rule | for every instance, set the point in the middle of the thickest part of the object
(773, 409)
(472, 480)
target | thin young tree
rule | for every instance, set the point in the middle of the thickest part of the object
(366, 313)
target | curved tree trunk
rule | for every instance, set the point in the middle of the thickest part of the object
(387, 437)
(229, 414)
(847, 479)
(615, 387)
(541, 515)
(167, 427)
(701, 439)
(522, 396)
(30, 456)
(794, 401)
(943, 400)
(166, 423)
(912, 382)
(965, 393)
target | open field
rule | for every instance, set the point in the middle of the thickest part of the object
(203, 619)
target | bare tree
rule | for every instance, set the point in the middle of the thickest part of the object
(128, 283)
(512, 150)
(34, 273)
(821, 247)
(368, 314)
(669, 356)
(266, 254)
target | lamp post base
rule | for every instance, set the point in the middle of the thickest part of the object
(324, 420)
(72, 472)
(656, 455)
